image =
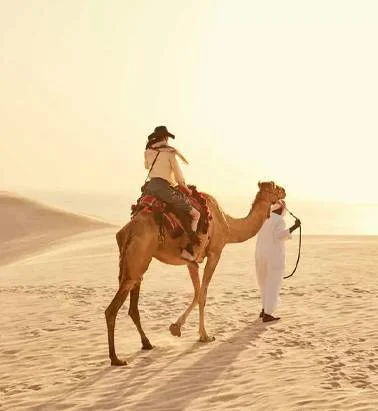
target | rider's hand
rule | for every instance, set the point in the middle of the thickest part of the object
(186, 189)
(297, 222)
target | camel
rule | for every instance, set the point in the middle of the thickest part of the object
(140, 240)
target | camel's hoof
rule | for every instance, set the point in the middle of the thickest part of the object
(147, 346)
(118, 362)
(175, 330)
(206, 339)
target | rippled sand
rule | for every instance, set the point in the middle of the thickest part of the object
(322, 355)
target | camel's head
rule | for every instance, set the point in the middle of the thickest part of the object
(271, 192)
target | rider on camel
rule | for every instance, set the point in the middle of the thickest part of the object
(165, 177)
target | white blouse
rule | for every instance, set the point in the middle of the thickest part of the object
(166, 166)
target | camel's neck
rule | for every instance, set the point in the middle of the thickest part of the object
(242, 229)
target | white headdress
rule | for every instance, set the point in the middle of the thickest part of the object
(279, 204)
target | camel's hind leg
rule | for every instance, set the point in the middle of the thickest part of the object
(111, 314)
(133, 264)
(175, 328)
(134, 314)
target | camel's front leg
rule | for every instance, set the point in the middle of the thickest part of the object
(212, 261)
(175, 328)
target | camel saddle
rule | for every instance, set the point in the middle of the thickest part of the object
(165, 216)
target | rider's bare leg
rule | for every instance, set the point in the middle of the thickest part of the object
(195, 218)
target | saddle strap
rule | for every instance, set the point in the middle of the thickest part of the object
(149, 171)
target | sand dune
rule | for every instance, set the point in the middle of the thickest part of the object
(28, 226)
(322, 355)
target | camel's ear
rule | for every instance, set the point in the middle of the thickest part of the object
(259, 184)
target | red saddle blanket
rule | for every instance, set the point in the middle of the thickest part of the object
(164, 215)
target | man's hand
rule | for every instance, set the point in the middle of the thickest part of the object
(296, 224)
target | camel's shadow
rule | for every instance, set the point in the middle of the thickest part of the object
(178, 391)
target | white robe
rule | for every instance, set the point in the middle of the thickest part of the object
(270, 260)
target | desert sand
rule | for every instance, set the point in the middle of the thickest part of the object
(58, 272)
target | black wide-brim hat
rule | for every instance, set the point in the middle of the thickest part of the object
(160, 132)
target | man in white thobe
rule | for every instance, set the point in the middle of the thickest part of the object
(270, 258)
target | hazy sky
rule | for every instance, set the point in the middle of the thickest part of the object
(253, 90)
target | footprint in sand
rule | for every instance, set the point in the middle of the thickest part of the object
(331, 385)
(277, 354)
(359, 381)
(11, 352)
(79, 376)
(34, 387)
(333, 371)
(223, 398)
(360, 291)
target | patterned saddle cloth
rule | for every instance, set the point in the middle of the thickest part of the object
(165, 216)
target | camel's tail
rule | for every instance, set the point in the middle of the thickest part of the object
(123, 238)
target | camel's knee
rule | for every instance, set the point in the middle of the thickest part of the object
(202, 299)
(126, 284)
(110, 316)
(193, 270)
